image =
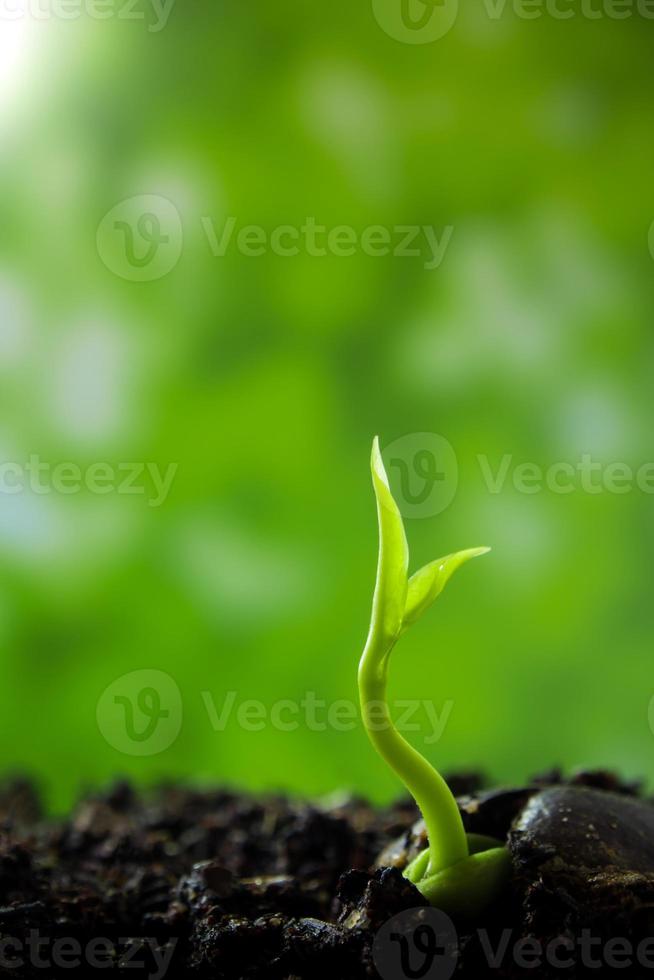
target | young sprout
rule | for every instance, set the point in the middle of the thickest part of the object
(461, 873)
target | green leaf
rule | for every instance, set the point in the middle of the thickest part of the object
(428, 583)
(392, 567)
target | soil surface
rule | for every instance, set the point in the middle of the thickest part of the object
(221, 885)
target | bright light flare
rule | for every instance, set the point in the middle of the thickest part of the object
(18, 31)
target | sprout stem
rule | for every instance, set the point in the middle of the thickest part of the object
(447, 838)
(397, 603)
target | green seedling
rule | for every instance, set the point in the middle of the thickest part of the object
(458, 872)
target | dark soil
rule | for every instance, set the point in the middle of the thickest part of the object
(215, 884)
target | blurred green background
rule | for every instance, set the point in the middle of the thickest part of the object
(265, 377)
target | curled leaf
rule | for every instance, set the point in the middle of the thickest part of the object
(393, 563)
(428, 582)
